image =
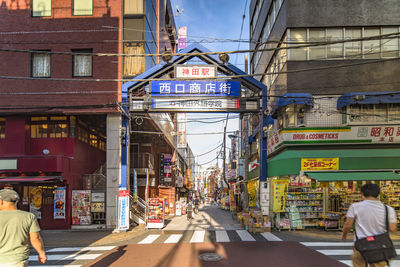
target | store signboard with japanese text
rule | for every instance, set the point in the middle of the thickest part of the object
(198, 105)
(123, 210)
(181, 119)
(165, 169)
(155, 213)
(279, 194)
(378, 134)
(59, 203)
(182, 37)
(195, 88)
(252, 189)
(196, 71)
(319, 164)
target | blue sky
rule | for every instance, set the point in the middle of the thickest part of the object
(209, 19)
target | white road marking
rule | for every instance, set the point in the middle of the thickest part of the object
(198, 237)
(270, 237)
(394, 263)
(70, 249)
(244, 235)
(59, 257)
(337, 252)
(222, 236)
(173, 239)
(327, 244)
(149, 239)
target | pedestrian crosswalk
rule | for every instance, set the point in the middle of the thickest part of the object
(200, 236)
(69, 256)
(79, 256)
(342, 251)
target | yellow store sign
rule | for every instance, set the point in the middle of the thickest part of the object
(320, 164)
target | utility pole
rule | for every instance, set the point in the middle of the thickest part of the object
(223, 160)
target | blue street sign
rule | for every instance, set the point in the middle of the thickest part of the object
(195, 88)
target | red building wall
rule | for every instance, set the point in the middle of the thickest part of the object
(59, 33)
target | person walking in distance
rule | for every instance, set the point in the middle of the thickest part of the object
(16, 226)
(369, 217)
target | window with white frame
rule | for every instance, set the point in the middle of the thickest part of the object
(379, 42)
(373, 113)
(82, 63)
(40, 65)
(292, 116)
(83, 7)
(41, 8)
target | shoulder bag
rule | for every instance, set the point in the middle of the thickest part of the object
(378, 247)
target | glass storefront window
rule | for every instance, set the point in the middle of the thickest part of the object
(133, 7)
(2, 128)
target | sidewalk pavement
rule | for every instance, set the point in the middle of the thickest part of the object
(84, 238)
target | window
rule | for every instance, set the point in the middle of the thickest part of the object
(317, 35)
(40, 65)
(293, 116)
(82, 64)
(58, 127)
(83, 7)
(2, 128)
(52, 127)
(83, 135)
(41, 8)
(133, 65)
(334, 50)
(353, 49)
(39, 127)
(133, 7)
(372, 114)
(93, 140)
(390, 46)
(371, 47)
(298, 37)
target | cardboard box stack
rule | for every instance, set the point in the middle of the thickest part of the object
(254, 222)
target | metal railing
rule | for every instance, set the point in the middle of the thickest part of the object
(138, 207)
(142, 161)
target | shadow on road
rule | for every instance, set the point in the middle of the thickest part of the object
(110, 258)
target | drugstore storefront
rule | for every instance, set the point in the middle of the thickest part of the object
(316, 187)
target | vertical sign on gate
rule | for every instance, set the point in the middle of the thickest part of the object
(123, 206)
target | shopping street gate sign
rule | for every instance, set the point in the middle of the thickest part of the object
(195, 88)
(194, 96)
(169, 104)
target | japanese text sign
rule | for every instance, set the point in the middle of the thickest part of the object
(195, 88)
(320, 164)
(202, 71)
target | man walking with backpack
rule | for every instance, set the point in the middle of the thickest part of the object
(15, 228)
(372, 221)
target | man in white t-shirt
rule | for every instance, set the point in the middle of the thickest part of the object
(369, 218)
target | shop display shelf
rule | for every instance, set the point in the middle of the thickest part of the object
(304, 199)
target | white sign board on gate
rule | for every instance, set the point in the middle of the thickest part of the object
(198, 71)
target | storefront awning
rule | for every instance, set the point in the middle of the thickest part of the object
(354, 176)
(288, 162)
(30, 179)
(295, 98)
(368, 98)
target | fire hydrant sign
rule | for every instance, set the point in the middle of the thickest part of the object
(123, 206)
(319, 164)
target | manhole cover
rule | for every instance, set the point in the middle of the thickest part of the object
(210, 257)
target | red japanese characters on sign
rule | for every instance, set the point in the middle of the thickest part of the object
(190, 71)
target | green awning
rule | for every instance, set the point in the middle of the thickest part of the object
(353, 176)
(288, 162)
